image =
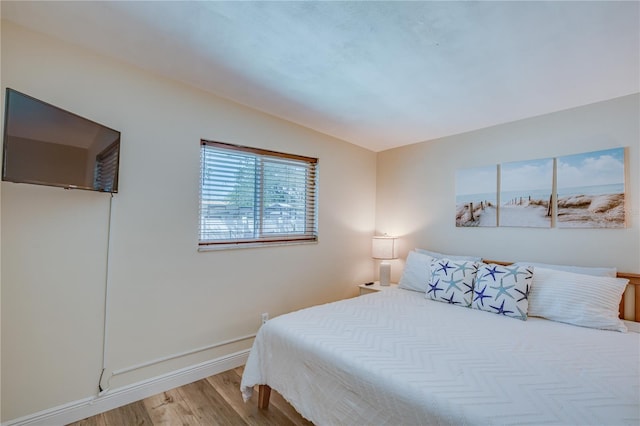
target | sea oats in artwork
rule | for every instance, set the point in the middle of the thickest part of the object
(591, 190)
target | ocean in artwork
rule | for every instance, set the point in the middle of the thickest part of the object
(613, 188)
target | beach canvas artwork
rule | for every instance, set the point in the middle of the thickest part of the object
(476, 196)
(591, 190)
(525, 193)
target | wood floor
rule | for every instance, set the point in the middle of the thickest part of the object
(215, 400)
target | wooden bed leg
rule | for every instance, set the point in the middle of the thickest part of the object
(264, 393)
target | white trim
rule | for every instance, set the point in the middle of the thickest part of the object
(181, 354)
(87, 407)
(236, 246)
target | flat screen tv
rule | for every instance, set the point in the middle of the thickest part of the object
(46, 145)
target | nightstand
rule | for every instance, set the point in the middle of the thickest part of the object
(374, 288)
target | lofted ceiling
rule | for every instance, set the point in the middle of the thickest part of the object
(376, 74)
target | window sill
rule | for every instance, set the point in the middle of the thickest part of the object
(220, 247)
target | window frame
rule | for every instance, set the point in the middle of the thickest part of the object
(260, 238)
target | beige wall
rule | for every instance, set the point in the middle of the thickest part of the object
(416, 188)
(165, 297)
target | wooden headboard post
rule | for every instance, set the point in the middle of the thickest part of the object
(631, 296)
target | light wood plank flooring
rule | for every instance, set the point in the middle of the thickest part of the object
(215, 400)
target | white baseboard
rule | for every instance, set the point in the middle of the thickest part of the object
(91, 406)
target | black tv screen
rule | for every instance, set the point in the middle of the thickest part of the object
(46, 145)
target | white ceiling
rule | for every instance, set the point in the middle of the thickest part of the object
(377, 74)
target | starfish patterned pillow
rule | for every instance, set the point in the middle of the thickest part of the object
(503, 290)
(451, 281)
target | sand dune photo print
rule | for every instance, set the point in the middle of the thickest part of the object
(525, 193)
(476, 196)
(591, 190)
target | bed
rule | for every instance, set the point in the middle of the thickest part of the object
(397, 357)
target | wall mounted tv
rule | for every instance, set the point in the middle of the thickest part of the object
(46, 145)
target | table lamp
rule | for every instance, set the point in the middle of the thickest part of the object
(384, 248)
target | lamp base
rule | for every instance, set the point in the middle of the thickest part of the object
(385, 273)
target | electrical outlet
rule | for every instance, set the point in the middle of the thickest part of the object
(265, 317)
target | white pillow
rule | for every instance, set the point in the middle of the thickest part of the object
(437, 255)
(416, 273)
(598, 272)
(452, 281)
(503, 290)
(578, 299)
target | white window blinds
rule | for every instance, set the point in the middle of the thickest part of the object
(250, 195)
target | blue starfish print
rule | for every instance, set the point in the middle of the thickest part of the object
(480, 295)
(469, 286)
(450, 300)
(493, 271)
(444, 267)
(502, 290)
(462, 267)
(525, 294)
(434, 288)
(500, 310)
(522, 316)
(481, 278)
(452, 283)
(515, 271)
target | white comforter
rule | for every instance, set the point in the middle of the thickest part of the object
(396, 358)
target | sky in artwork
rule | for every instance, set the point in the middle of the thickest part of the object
(526, 175)
(477, 180)
(596, 168)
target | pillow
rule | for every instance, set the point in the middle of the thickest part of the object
(452, 281)
(416, 273)
(503, 290)
(578, 299)
(598, 272)
(437, 255)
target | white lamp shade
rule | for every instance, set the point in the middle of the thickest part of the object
(384, 248)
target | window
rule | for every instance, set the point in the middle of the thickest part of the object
(251, 196)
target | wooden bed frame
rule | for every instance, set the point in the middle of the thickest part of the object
(631, 297)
